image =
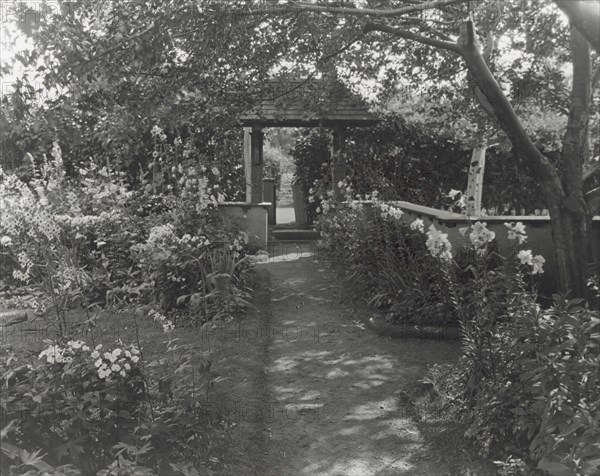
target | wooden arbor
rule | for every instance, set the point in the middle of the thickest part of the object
(301, 103)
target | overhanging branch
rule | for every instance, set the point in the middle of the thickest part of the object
(409, 35)
(317, 8)
(584, 15)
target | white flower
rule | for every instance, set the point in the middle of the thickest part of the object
(127, 354)
(122, 373)
(516, 231)
(75, 344)
(134, 350)
(453, 193)
(6, 241)
(525, 257)
(215, 171)
(115, 367)
(98, 347)
(127, 366)
(156, 131)
(116, 352)
(481, 236)
(135, 358)
(109, 356)
(418, 225)
(538, 264)
(98, 362)
(438, 244)
(463, 231)
(85, 348)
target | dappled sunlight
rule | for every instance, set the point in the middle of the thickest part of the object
(284, 364)
(373, 410)
(369, 384)
(359, 466)
(402, 428)
(285, 258)
(339, 382)
(337, 373)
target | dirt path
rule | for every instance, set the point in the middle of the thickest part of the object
(331, 399)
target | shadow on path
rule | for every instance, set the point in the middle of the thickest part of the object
(338, 390)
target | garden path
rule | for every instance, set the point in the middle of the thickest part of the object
(332, 398)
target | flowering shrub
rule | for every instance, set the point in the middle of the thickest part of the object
(93, 239)
(388, 258)
(71, 406)
(85, 410)
(530, 394)
(526, 386)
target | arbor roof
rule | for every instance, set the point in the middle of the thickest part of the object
(308, 103)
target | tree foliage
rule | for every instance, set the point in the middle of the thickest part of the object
(488, 71)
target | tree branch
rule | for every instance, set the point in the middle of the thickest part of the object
(322, 60)
(311, 7)
(584, 15)
(590, 169)
(409, 35)
(503, 112)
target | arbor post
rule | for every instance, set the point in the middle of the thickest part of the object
(338, 162)
(253, 162)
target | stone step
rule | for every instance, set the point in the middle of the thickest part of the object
(295, 235)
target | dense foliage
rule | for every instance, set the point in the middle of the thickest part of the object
(387, 260)
(88, 244)
(79, 410)
(405, 162)
(95, 240)
(526, 387)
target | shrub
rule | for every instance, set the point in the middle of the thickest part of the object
(386, 258)
(96, 411)
(527, 380)
(92, 239)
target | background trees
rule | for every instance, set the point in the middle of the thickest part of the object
(488, 71)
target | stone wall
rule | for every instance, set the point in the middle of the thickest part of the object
(539, 237)
(251, 217)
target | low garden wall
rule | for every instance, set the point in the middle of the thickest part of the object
(251, 217)
(539, 236)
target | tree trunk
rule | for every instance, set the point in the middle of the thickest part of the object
(563, 198)
(575, 220)
(475, 183)
(585, 16)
